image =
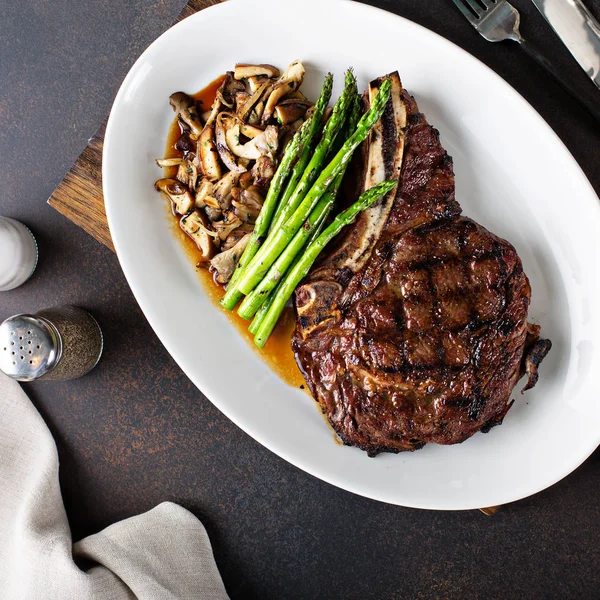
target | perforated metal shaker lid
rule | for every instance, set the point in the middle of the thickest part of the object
(30, 347)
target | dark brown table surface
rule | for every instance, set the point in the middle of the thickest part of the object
(136, 432)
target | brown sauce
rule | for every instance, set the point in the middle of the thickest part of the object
(277, 353)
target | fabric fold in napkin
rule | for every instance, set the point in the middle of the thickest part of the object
(164, 554)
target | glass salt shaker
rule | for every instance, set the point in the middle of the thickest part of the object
(57, 344)
(18, 254)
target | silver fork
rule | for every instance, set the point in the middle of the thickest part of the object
(498, 20)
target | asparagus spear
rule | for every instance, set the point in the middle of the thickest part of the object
(311, 172)
(262, 311)
(275, 244)
(301, 142)
(253, 301)
(353, 120)
(301, 163)
(306, 261)
(305, 235)
(316, 231)
(232, 297)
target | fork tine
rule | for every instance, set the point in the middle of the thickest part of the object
(488, 3)
(466, 12)
(475, 7)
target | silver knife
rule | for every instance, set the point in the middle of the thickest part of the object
(578, 30)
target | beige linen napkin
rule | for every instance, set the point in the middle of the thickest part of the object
(164, 554)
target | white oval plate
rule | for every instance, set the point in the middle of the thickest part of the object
(513, 175)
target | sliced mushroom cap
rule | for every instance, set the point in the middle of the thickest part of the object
(197, 227)
(247, 150)
(214, 214)
(249, 205)
(187, 173)
(240, 99)
(255, 82)
(263, 143)
(229, 222)
(299, 96)
(214, 111)
(243, 71)
(192, 175)
(178, 194)
(287, 132)
(224, 188)
(205, 188)
(213, 203)
(224, 122)
(263, 171)
(290, 81)
(290, 110)
(182, 173)
(294, 100)
(249, 130)
(169, 162)
(268, 141)
(209, 156)
(253, 194)
(228, 90)
(245, 180)
(225, 263)
(244, 110)
(257, 112)
(185, 143)
(185, 107)
(234, 237)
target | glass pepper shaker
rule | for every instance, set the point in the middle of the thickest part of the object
(18, 254)
(57, 344)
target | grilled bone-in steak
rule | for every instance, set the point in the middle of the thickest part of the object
(414, 329)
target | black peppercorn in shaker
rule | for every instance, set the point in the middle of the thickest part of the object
(58, 343)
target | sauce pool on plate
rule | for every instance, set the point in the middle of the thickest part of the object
(278, 352)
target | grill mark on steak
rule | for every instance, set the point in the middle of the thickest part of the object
(420, 334)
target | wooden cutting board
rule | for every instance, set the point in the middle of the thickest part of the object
(79, 195)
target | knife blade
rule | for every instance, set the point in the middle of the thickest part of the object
(578, 30)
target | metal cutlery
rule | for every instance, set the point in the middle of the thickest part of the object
(498, 20)
(578, 29)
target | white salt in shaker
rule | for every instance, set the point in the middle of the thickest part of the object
(18, 254)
